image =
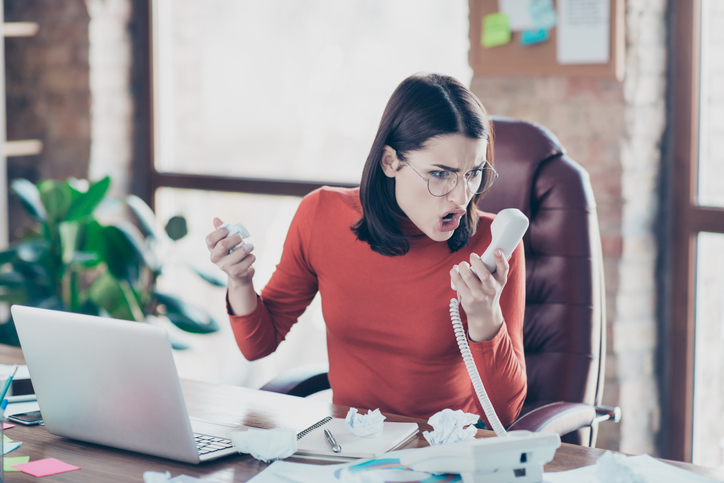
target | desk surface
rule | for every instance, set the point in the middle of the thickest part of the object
(225, 404)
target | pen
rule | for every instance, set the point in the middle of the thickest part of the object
(332, 442)
(8, 382)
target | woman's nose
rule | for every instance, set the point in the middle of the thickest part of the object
(459, 194)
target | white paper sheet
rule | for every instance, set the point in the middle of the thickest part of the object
(584, 31)
(287, 472)
(518, 12)
(653, 470)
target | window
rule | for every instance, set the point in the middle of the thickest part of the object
(270, 100)
(695, 346)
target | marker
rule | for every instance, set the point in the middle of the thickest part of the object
(8, 382)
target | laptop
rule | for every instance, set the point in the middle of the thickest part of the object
(113, 382)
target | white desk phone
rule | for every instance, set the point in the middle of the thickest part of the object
(511, 457)
(517, 456)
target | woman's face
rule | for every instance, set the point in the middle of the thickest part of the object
(436, 217)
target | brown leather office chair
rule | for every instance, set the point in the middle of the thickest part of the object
(565, 324)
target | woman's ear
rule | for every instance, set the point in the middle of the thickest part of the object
(390, 162)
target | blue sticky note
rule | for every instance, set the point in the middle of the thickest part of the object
(8, 447)
(529, 37)
(543, 13)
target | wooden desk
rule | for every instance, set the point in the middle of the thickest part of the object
(224, 404)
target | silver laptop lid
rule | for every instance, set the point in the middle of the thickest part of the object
(106, 381)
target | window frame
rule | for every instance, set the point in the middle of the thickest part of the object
(689, 219)
(148, 179)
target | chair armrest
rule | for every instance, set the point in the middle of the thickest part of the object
(558, 417)
(301, 381)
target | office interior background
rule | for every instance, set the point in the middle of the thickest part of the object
(234, 108)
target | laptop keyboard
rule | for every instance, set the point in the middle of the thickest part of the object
(209, 444)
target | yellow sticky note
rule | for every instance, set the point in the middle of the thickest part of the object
(496, 30)
(15, 460)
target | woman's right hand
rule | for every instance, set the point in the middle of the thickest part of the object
(238, 266)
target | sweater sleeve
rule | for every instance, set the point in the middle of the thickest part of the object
(501, 361)
(291, 289)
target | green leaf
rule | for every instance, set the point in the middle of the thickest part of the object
(114, 297)
(52, 303)
(11, 279)
(118, 253)
(144, 214)
(212, 277)
(87, 202)
(8, 255)
(29, 198)
(177, 343)
(195, 324)
(32, 250)
(68, 240)
(14, 297)
(56, 197)
(186, 317)
(85, 259)
(176, 228)
(136, 241)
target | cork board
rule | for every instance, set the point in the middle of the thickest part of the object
(540, 59)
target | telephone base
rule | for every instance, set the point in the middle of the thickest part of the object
(531, 474)
(517, 457)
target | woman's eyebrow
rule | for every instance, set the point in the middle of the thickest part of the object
(456, 170)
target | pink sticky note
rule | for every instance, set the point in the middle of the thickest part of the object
(8, 425)
(45, 467)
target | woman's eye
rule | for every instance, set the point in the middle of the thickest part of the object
(474, 173)
(441, 175)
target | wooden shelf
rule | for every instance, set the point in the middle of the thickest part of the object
(27, 147)
(20, 29)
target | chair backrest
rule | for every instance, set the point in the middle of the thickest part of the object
(564, 329)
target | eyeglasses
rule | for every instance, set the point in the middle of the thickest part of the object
(442, 182)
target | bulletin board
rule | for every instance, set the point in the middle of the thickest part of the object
(540, 59)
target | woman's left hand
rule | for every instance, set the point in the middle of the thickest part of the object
(480, 295)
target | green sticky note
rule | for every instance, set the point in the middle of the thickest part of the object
(6, 439)
(496, 30)
(15, 460)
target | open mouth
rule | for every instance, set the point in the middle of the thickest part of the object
(450, 221)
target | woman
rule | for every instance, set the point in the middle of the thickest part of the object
(383, 256)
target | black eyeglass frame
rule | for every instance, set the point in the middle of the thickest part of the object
(457, 179)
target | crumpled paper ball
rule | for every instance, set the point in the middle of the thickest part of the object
(615, 468)
(239, 229)
(266, 444)
(451, 427)
(365, 425)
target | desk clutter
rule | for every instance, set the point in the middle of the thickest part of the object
(38, 468)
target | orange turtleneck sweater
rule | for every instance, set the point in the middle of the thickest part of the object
(389, 336)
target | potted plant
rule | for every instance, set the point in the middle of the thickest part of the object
(73, 261)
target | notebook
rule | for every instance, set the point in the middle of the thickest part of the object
(113, 382)
(313, 444)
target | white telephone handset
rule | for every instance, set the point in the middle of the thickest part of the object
(517, 456)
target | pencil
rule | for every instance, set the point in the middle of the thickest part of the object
(8, 382)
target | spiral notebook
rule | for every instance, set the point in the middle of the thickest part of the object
(313, 444)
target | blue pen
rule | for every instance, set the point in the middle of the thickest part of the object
(8, 382)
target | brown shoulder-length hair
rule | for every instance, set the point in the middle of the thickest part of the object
(423, 106)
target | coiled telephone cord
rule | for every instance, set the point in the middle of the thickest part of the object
(462, 340)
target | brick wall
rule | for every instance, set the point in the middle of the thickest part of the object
(48, 91)
(614, 129)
